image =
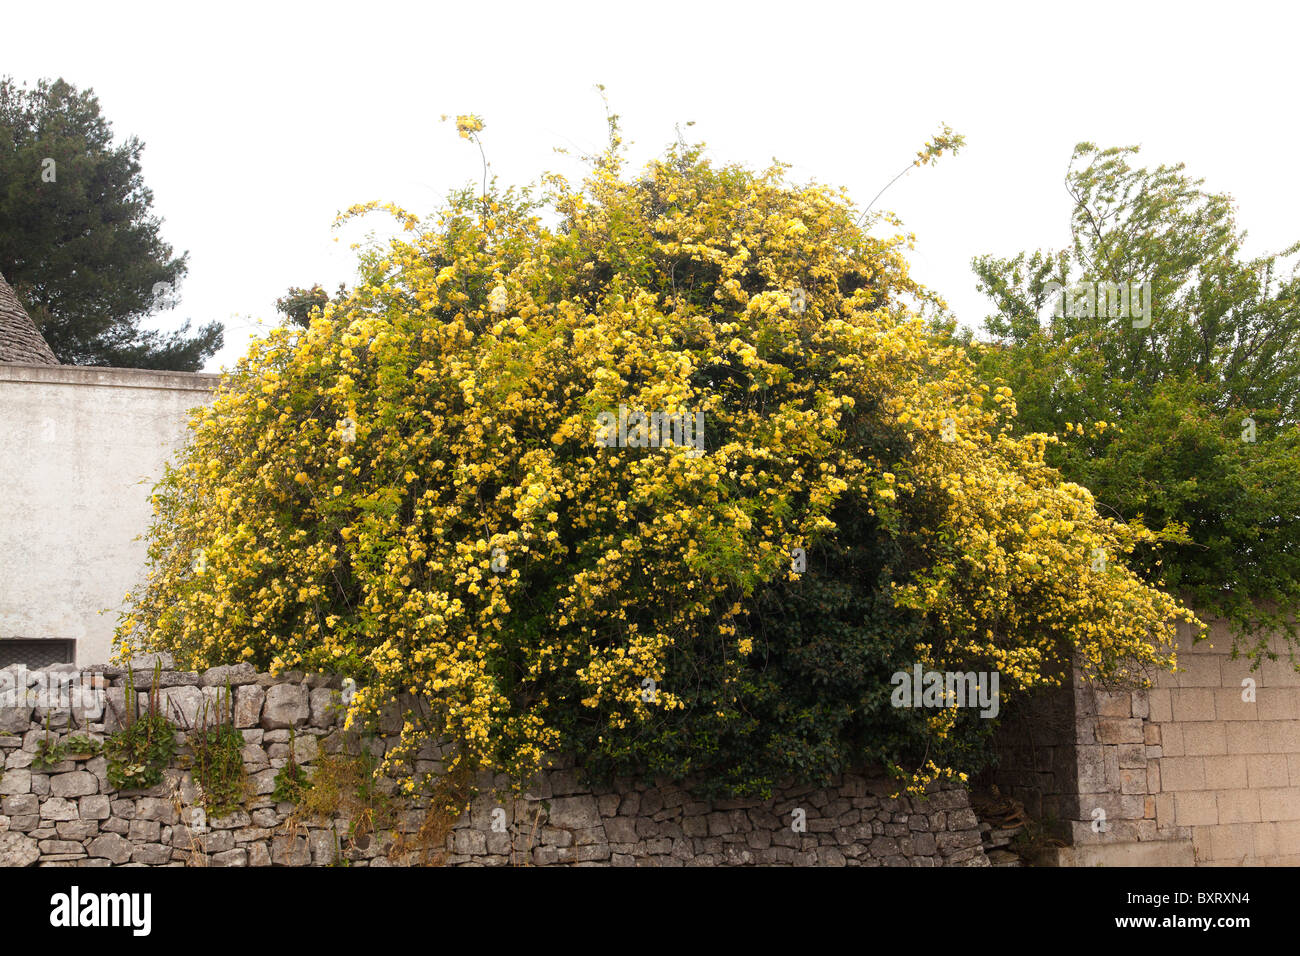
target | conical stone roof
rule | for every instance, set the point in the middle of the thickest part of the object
(20, 342)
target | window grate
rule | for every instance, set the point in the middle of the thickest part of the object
(36, 653)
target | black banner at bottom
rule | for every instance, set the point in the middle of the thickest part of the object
(179, 906)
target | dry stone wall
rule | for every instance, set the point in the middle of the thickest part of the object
(69, 815)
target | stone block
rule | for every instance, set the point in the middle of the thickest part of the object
(1200, 670)
(67, 848)
(1153, 776)
(249, 699)
(1228, 705)
(1182, 773)
(78, 830)
(1114, 704)
(18, 760)
(181, 705)
(1166, 804)
(1279, 673)
(1266, 770)
(1171, 739)
(1283, 736)
(58, 808)
(20, 804)
(145, 831)
(1115, 730)
(574, 812)
(111, 847)
(1192, 704)
(15, 719)
(151, 854)
(218, 706)
(290, 851)
(1225, 772)
(1279, 804)
(1287, 837)
(1141, 703)
(1232, 844)
(1133, 781)
(78, 783)
(620, 830)
(156, 808)
(1205, 739)
(1239, 806)
(1200, 808)
(235, 675)
(255, 759)
(1278, 703)
(1092, 770)
(286, 705)
(1132, 756)
(326, 706)
(323, 847)
(18, 849)
(15, 782)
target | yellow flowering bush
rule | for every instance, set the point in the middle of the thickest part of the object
(417, 491)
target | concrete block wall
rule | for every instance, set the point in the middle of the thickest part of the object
(1228, 771)
(1187, 771)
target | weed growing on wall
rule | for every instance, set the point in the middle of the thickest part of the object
(345, 785)
(217, 760)
(140, 752)
(81, 746)
(291, 781)
(49, 752)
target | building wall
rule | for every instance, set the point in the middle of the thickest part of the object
(1184, 772)
(81, 449)
(1229, 769)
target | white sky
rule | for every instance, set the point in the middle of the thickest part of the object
(262, 121)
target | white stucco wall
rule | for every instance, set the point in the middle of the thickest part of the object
(80, 449)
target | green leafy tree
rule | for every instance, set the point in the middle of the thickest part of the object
(78, 239)
(297, 305)
(1179, 410)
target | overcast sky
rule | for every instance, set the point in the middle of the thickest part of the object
(262, 121)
